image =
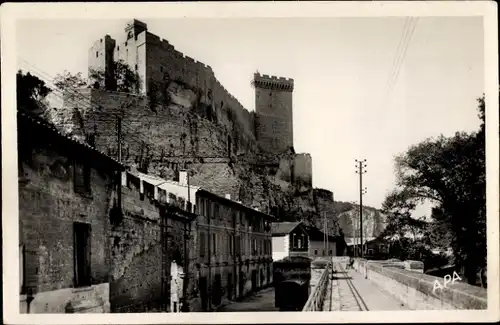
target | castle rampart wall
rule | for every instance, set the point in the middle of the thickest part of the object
(165, 63)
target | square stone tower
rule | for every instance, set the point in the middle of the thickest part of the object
(101, 59)
(131, 49)
(274, 116)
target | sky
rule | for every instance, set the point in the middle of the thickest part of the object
(341, 67)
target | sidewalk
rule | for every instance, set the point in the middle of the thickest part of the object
(374, 297)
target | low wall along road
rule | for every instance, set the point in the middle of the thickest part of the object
(416, 290)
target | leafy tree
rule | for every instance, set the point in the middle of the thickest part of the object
(450, 172)
(31, 91)
(398, 208)
(67, 80)
(120, 78)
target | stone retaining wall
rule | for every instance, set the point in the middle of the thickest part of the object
(416, 289)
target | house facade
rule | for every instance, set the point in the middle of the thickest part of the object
(150, 245)
(289, 239)
(67, 192)
(229, 251)
(374, 248)
(234, 250)
(321, 245)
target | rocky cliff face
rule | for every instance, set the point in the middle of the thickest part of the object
(190, 131)
(348, 216)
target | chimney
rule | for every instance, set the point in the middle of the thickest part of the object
(183, 177)
(228, 196)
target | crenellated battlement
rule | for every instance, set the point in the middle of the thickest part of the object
(273, 82)
(136, 25)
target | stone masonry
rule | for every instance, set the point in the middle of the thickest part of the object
(182, 117)
(51, 205)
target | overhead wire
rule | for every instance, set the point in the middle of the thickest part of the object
(401, 50)
(88, 103)
(112, 117)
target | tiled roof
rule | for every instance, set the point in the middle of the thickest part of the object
(315, 233)
(237, 203)
(51, 128)
(283, 228)
(158, 181)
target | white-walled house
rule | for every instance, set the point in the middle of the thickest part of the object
(289, 239)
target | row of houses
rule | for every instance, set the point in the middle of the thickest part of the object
(98, 237)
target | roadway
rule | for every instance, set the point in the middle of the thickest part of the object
(347, 291)
(350, 291)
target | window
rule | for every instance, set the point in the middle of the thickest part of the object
(382, 248)
(216, 211)
(370, 252)
(97, 54)
(81, 235)
(330, 252)
(231, 240)
(315, 252)
(81, 178)
(214, 244)
(202, 244)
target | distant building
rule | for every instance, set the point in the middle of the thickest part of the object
(377, 248)
(321, 245)
(289, 239)
(68, 192)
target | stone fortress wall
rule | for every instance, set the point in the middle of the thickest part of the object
(182, 110)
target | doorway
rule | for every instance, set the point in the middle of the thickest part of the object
(230, 286)
(217, 293)
(254, 280)
(202, 282)
(241, 283)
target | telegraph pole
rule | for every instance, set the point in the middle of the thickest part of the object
(327, 240)
(324, 233)
(355, 232)
(360, 166)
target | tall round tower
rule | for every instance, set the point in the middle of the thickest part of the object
(274, 116)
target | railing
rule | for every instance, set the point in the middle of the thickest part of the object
(317, 298)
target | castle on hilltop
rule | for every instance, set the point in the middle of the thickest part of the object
(179, 114)
(157, 63)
